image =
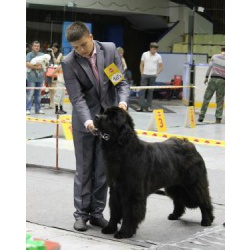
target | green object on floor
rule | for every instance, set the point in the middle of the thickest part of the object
(34, 244)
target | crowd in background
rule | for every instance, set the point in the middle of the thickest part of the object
(150, 67)
(43, 69)
(51, 77)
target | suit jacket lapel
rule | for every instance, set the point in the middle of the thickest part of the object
(100, 66)
(87, 68)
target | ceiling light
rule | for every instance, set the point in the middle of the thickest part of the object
(201, 9)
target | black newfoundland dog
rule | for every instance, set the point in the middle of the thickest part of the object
(136, 169)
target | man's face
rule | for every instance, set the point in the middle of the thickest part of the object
(36, 47)
(153, 50)
(84, 46)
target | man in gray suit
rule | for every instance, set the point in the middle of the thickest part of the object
(90, 92)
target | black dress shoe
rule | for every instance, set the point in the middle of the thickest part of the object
(200, 119)
(80, 225)
(60, 112)
(99, 222)
(218, 120)
(139, 110)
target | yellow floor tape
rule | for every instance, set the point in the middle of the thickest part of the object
(196, 140)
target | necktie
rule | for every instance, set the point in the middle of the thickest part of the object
(94, 68)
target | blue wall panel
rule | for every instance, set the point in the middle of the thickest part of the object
(114, 33)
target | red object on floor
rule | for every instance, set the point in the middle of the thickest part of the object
(50, 245)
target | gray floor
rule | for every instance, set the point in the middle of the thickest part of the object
(49, 203)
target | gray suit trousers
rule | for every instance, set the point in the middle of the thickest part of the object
(90, 185)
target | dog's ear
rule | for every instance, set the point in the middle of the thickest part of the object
(124, 135)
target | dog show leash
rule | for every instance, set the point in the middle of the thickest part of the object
(104, 136)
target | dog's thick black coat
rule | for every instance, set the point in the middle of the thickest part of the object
(136, 169)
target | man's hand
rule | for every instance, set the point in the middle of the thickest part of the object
(91, 127)
(122, 106)
(205, 82)
(37, 66)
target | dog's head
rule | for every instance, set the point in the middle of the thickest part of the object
(115, 122)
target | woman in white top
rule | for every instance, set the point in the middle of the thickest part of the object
(56, 58)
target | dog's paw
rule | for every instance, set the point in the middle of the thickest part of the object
(123, 235)
(109, 230)
(173, 217)
(206, 222)
(212, 218)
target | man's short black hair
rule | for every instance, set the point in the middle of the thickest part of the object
(35, 42)
(76, 31)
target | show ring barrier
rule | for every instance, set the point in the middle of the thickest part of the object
(196, 140)
(65, 122)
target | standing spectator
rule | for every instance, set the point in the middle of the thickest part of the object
(124, 65)
(60, 91)
(121, 53)
(56, 58)
(27, 51)
(90, 93)
(216, 70)
(35, 78)
(150, 68)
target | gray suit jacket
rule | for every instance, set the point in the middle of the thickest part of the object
(86, 98)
